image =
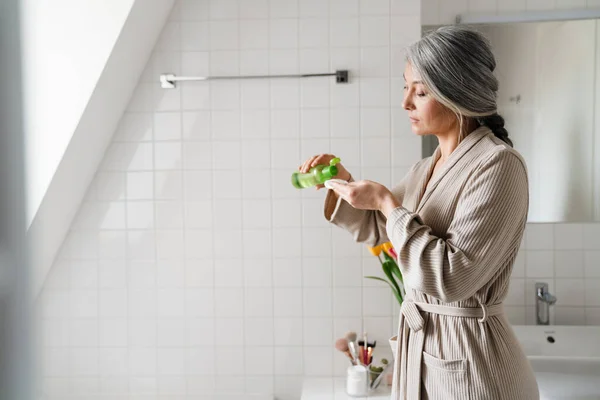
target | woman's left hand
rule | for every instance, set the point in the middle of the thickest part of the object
(366, 195)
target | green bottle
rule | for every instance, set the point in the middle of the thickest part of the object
(316, 175)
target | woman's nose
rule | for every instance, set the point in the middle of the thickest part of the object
(407, 104)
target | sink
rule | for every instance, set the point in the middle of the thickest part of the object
(565, 359)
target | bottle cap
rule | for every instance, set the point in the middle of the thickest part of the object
(331, 171)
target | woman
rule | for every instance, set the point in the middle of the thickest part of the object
(456, 220)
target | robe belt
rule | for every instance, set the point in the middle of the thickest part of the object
(412, 355)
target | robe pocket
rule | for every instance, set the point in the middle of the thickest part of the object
(445, 365)
(444, 379)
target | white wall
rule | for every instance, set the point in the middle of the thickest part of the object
(66, 44)
(195, 269)
(95, 127)
(194, 266)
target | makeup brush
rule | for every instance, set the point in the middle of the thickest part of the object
(342, 345)
(365, 345)
(361, 352)
(370, 348)
(351, 338)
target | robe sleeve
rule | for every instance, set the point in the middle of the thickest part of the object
(365, 226)
(485, 232)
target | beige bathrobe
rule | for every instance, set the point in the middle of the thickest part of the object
(456, 235)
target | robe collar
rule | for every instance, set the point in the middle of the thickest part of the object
(427, 188)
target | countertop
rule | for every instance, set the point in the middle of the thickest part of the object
(334, 388)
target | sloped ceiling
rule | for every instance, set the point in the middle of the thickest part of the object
(93, 133)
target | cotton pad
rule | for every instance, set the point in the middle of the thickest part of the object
(328, 182)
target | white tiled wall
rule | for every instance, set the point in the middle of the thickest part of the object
(567, 257)
(194, 269)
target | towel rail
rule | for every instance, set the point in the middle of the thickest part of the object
(168, 81)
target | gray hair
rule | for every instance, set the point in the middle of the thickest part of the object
(457, 65)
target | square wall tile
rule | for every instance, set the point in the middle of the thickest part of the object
(318, 331)
(377, 302)
(254, 34)
(259, 360)
(230, 360)
(170, 332)
(287, 302)
(258, 302)
(289, 360)
(592, 316)
(223, 9)
(344, 7)
(283, 33)
(229, 302)
(223, 35)
(570, 292)
(374, 7)
(229, 331)
(375, 123)
(347, 302)
(344, 32)
(317, 272)
(313, 32)
(259, 331)
(374, 31)
(539, 236)
(569, 316)
(288, 331)
(195, 36)
(568, 236)
(318, 361)
(591, 236)
(592, 264)
(516, 293)
(316, 242)
(539, 263)
(317, 302)
(569, 263)
(430, 12)
(592, 292)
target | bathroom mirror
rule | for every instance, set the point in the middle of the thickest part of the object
(549, 74)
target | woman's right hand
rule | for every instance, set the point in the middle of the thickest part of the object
(324, 159)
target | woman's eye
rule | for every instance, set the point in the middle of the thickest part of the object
(421, 94)
(405, 87)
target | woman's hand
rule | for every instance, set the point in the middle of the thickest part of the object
(367, 195)
(324, 159)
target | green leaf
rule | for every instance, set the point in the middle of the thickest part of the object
(396, 271)
(394, 268)
(387, 269)
(396, 293)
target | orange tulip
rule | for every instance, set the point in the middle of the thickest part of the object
(376, 251)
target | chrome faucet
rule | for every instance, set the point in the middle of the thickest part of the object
(543, 301)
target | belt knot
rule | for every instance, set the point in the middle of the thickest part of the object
(412, 315)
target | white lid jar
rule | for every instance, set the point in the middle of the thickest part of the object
(357, 381)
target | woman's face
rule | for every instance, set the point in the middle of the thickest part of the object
(427, 115)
